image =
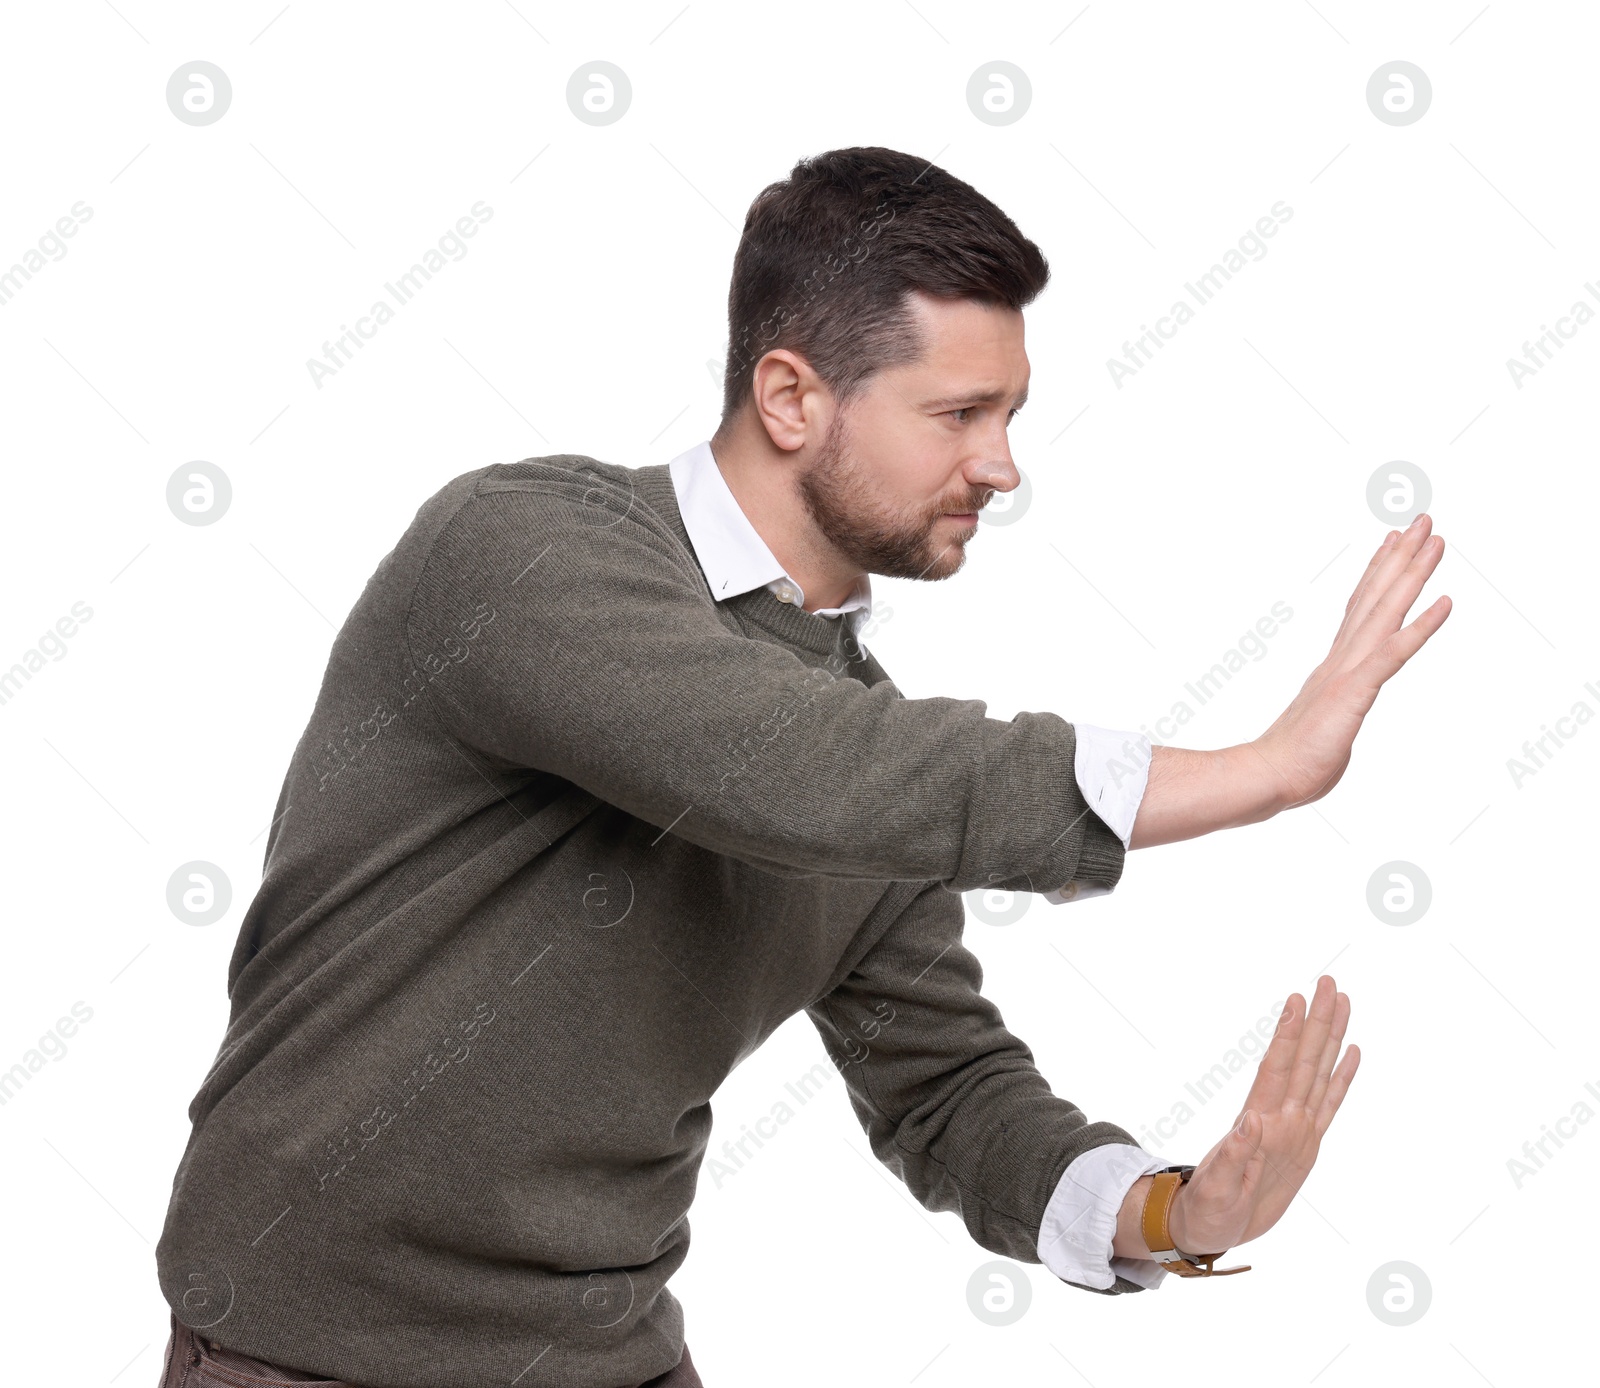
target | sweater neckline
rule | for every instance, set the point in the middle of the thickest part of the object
(793, 625)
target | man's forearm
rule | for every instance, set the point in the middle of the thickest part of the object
(1190, 793)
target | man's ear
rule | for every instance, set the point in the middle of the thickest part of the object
(790, 400)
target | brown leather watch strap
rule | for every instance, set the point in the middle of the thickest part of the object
(1158, 1238)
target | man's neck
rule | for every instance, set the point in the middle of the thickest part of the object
(762, 480)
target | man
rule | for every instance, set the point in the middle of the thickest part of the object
(600, 788)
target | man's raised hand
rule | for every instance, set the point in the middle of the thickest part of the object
(1307, 749)
(1301, 757)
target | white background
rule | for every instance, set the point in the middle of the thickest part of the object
(1168, 515)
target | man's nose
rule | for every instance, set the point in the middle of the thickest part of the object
(995, 470)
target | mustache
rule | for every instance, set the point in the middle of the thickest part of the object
(976, 504)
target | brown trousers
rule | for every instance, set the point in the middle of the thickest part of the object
(195, 1362)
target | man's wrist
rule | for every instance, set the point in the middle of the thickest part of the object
(1262, 790)
(1128, 1242)
(1177, 1225)
(1191, 792)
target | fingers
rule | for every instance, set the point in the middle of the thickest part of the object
(1378, 556)
(1373, 564)
(1313, 1039)
(1298, 1069)
(1338, 1086)
(1381, 664)
(1391, 559)
(1391, 597)
(1392, 653)
(1272, 1075)
(1330, 1051)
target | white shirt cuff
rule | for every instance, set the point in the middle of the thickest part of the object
(1074, 891)
(1080, 1220)
(1112, 770)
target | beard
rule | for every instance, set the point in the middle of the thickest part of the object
(842, 501)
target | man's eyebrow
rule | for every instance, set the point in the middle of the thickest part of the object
(976, 397)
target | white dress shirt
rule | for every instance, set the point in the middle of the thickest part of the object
(1081, 1216)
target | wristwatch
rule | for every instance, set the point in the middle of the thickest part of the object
(1158, 1238)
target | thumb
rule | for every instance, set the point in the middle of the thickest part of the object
(1246, 1134)
(1229, 1159)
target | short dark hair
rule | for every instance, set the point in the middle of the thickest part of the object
(829, 254)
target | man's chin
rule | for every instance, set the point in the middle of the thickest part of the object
(946, 564)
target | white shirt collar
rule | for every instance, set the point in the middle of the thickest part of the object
(732, 554)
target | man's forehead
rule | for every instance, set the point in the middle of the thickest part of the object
(955, 332)
(964, 317)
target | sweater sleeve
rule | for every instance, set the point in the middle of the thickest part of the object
(950, 1100)
(604, 661)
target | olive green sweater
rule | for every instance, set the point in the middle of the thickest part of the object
(564, 841)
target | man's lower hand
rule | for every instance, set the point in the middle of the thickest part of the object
(1242, 1186)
